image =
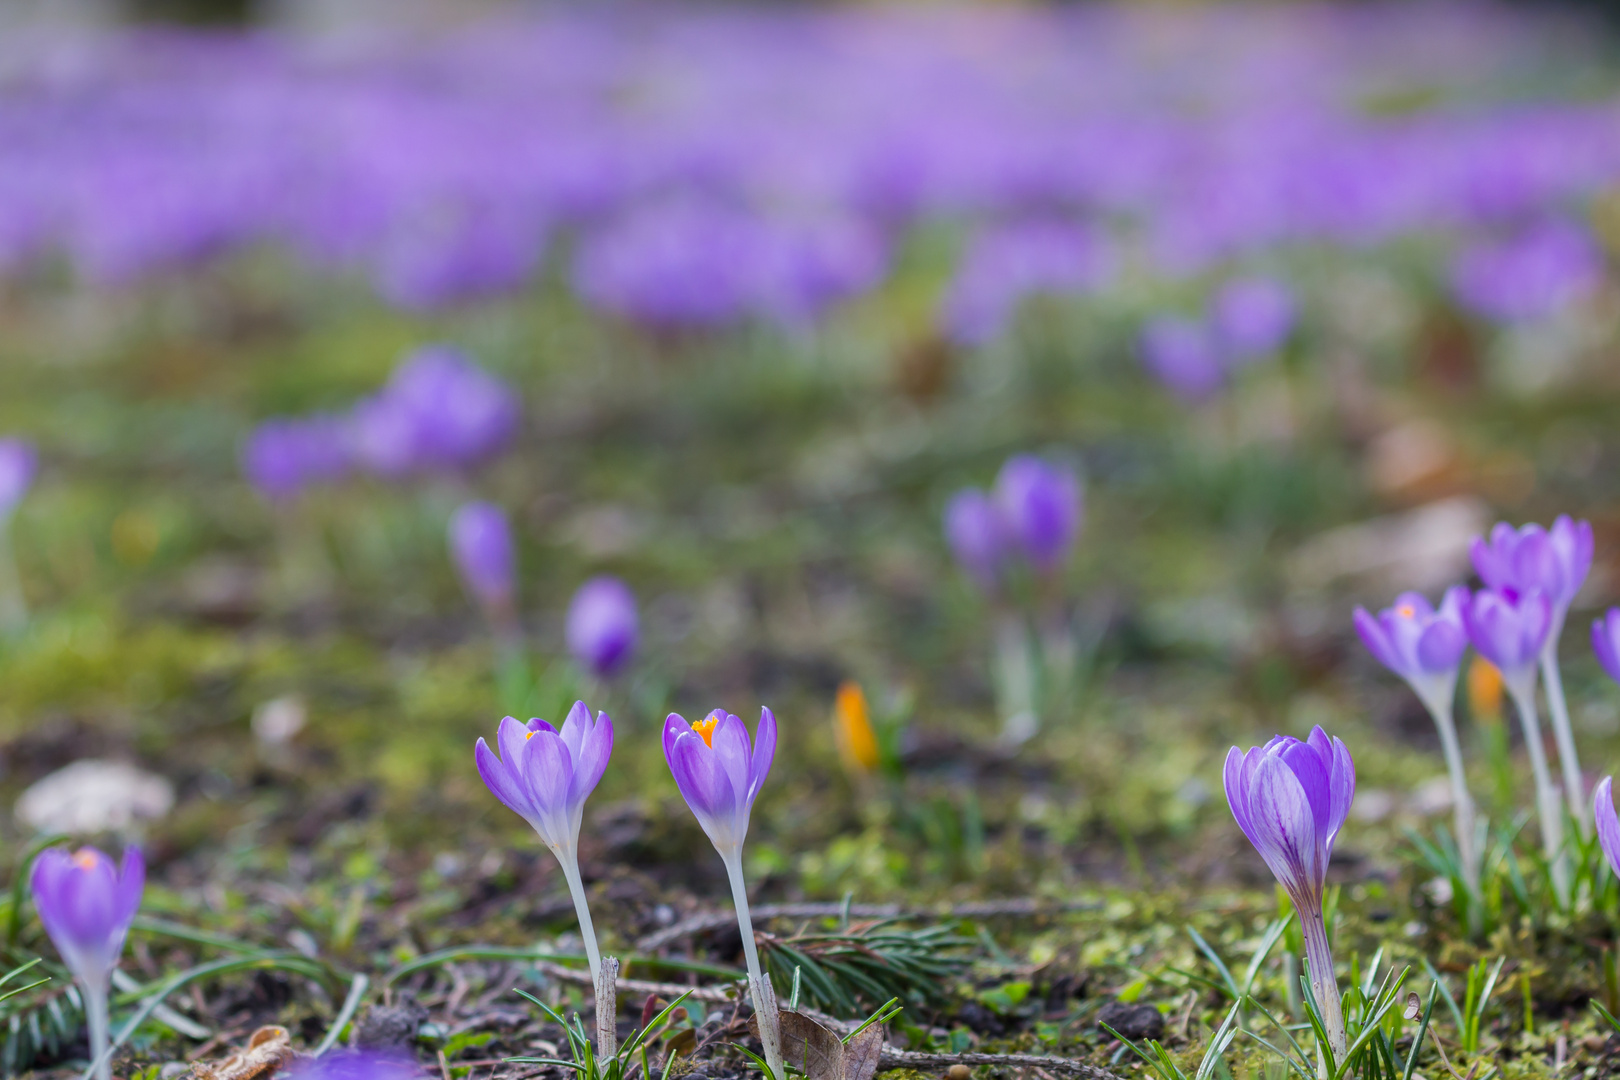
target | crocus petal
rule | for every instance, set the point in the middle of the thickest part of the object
(1608, 824)
(731, 751)
(1235, 778)
(1284, 827)
(705, 787)
(499, 779)
(574, 727)
(1374, 636)
(592, 759)
(675, 726)
(1606, 642)
(1311, 766)
(1441, 646)
(131, 884)
(511, 737)
(764, 753)
(1342, 784)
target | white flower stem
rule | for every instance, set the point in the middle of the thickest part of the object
(1324, 984)
(605, 1010)
(95, 1014)
(1558, 709)
(1548, 810)
(758, 982)
(1462, 802)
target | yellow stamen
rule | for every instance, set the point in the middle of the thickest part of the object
(705, 727)
(84, 859)
(1406, 611)
(1484, 689)
(530, 735)
(857, 742)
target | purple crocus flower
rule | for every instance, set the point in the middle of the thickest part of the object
(1532, 275)
(1183, 356)
(544, 776)
(284, 456)
(977, 536)
(1290, 798)
(1040, 504)
(1509, 630)
(1606, 642)
(1425, 647)
(356, 1065)
(719, 776)
(1555, 563)
(1422, 645)
(87, 905)
(18, 463)
(1251, 317)
(481, 546)
(603, 626)
(1608, 823)
(438, 411)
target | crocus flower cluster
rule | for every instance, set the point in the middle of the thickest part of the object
(1531, 576)
(793, 162)
(439, 412)
(1291, 798)
(87, 905)
(545, 775)
(1247, 318)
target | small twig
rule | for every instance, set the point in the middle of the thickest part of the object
(607, 1008)
(902, 1059)
(976, 909)
(638, 986)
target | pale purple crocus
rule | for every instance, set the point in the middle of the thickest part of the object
(87, 905)
(1554, 562)
(1040, 506)
(603, 626)
(1509, 629)
(481, 548)
(1608, 823)
(1183, 356)
(1424, 646)
(1606, 642)
(357, 1065)
(719, 775)
(544, 776)
(1291, 798)
(18, 463)
(286, 455)
(977, 537)
(1251, 317)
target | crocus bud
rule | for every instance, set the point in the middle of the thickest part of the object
(1290, 798)
(717, 772)
(1606, 642)
(18, 462)
(1509, 631)
(1420, 644)
(1040, 504)
(87, 904)
(284, 456)
(977, 537)
(1183, 356)
(603, 626)
(1251, 317)
(1608, 824)
(481, 546)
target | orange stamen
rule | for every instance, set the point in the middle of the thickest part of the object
(1406, 611)
(705, 727)
(84, 859)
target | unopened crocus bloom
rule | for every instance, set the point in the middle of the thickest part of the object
(1608, 824)
(1555, 563)
(481, 547)
(545, 776)
(1606, 642)
(857, 742)
(18, 463)
(719, 776)
(1509, 630)
(1424, 646)
(1290, 798)
(1183, 356)
(1040, 506)
(87, 904)
(977, 537)
(603, 626)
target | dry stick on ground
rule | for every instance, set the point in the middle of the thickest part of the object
(638, 986)
(978, 909)
(909, 1059)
